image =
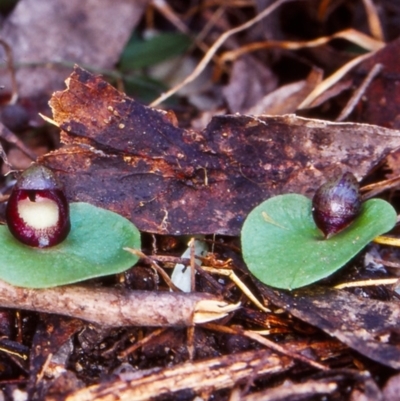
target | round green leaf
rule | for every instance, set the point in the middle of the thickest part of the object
(93, 248)
(283, 247)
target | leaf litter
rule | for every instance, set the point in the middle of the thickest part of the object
(291, 144)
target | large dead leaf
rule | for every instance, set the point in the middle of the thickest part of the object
(42, 32)
(365, 325)
(133, 160)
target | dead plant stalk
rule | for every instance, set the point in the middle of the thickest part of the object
(115, 308)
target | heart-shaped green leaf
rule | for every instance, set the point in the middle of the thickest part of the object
(93, 248)
(283, 247)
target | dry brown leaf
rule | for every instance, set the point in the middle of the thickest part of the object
(286, 99)
(133, 160)
(366, 325)
(65, 31)
(246, 90)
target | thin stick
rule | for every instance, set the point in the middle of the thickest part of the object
(239, 283)
(351, 104)
(192, 265)
(332, 79)
(213, 49)
(268, 343)
(10, 137)
(155, 266)
(114, 308)
(387, 263)
(367, 283)
(140, 343)
(11, 68)
(372, 190)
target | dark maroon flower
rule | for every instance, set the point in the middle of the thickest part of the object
(37, 211)
(336, 204)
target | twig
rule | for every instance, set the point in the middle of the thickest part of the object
(155, 266)
(332, 79)
(240, 284)
(141, 343)
(206, 269)
(213, 49)
(387, 263)
(351, 104)
(11, 68)
(114, 308)
(166, 10)
(376, 188)
(217, 373)
(10, 137)
(192, 265)
(309, 389)
(267, 343)
(3, 156)
(367, 283)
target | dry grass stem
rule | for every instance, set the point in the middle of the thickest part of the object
(372, 190)
(352, 103)
(384, 240)
(231, 274)
(166, 10)
(214, 48)
(10, 65)
(388, 263)
(367, 283)
(140, 343)
(155, 266)
(332, 79)
(351, 35)
(267, 343)
(13, 139)
(374, 22)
